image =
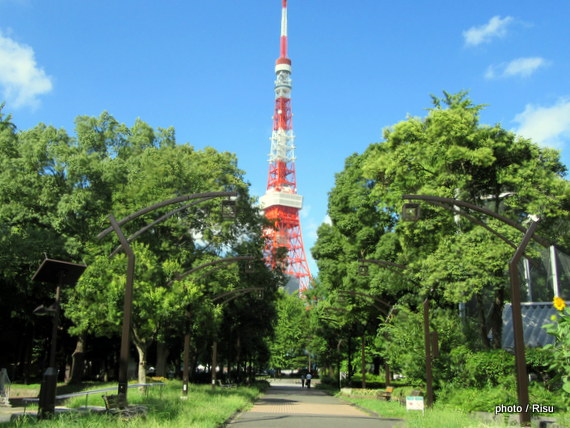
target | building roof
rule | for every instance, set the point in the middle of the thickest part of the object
(534, 315)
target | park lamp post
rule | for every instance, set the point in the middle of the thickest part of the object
(60, 273)
(411, 211)
(431, 346)
(228, 211)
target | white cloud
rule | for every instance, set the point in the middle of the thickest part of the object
(496, 27)
(548, 126)
(306, 211)
(522, 67)
(21, 79)
(310, 227)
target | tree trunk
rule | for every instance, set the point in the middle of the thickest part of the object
(142, 348)
(350, 372)
(363, 362)
(482, 321)
(238, 359)
(250, 372)
(78, 361)
(162, 353)
(214, 362)
(377, 361)
(27, 358)
(497, 318)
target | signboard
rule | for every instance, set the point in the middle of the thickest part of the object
(415, 403)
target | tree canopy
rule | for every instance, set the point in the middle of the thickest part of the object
(57, 191)
(447, 153)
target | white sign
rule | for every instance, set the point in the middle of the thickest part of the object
(415, 403)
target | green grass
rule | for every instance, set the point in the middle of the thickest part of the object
(204, 408)
(441, 415)
(432, 418)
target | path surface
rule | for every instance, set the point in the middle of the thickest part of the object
(289, 406)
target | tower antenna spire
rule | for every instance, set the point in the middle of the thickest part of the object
(281, 203)
(284, 30)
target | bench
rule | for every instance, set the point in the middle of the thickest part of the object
(226, 384)
(113, 402)
(117, 405)
(386, 394)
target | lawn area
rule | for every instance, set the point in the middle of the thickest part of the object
(439, 416)
(433, 418)
(204, 408)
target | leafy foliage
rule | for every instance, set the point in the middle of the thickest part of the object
(560, 351)
(288, 343)
(447, 153)
(57, 191)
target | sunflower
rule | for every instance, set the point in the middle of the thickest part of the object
(559, 303)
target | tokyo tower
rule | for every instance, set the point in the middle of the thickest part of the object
(281, 203)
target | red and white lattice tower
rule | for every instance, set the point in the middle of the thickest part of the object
(281, 202)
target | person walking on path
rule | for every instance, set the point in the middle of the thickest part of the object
(308, 380)
(303, 380)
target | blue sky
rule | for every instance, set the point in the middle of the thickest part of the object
(206, 68)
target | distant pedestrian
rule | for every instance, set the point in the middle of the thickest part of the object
(303, 380)
(308, 379)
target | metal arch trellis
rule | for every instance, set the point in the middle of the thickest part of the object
(127, 305)
(520, 360)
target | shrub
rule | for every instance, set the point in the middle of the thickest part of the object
(402, 342)
(490, 368)
(485, 399)
(329, 380)
(476, 399)
(560, 352)
(538, 362)
(404, 391)
(451, 368)
(539, 394)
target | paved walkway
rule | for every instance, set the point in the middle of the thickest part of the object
(289, 406)
(7, 412)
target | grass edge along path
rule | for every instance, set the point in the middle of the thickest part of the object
(204, 408)
(433, 418)
(442, 414)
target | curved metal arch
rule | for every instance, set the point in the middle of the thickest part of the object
(158, 220)
(205, 196)
(370, 296)
(238, 293)
(456, 202)
(213, 263)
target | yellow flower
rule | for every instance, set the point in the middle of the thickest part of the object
(559, 303)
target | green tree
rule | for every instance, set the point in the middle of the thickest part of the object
(359, 229)
(289, 341)
(448, 153)
(30, 186)
(57, 192)
(154, 174)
